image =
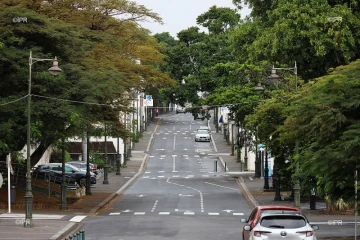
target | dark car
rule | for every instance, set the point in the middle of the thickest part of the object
(53, 171)
(82, 166)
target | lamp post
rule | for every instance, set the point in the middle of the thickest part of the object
(106, 166)
(245, 154)
(55, 70)
(232, 122)
(118, 157)
(275, 77)
(88, 179)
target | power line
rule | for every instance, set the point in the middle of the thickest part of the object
(7, 103)
(73, 101)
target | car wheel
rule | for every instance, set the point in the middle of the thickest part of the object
(82, 182)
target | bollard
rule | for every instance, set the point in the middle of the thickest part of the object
(215, 166)
(225, 166)
(75, 237)
(70, 237)
(82, 235)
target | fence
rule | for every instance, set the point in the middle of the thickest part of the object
(80, 235)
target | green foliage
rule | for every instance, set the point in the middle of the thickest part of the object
(96, 53)
(96, 158)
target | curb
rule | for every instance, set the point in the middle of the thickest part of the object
(128, 183)
(72, 227)
(248, 196)
(123, 188)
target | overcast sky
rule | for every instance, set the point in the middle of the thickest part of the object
(179, 15)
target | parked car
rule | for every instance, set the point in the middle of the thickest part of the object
(180, 110)
(54, 172)
(275, 226)
(202, 136)
(82, 166)
(258, 211)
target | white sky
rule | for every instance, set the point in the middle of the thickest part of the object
(179, 15)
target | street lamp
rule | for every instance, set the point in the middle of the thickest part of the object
(55, 70)
(245, 153)
(275, 77)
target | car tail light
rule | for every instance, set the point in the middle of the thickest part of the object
(308, 233)
(258, 233)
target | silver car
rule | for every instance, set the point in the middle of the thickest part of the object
(202, 136)
(288, 226)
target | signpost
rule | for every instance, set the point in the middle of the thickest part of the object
(10, 170)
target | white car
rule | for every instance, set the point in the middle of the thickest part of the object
(287, 226)
(202, 136)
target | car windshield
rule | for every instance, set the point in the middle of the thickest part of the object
(201, 131)
(283, 221)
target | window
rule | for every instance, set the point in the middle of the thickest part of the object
(283, 222)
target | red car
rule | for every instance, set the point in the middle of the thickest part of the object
(259, 210)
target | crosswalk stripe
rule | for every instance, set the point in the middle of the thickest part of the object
(238, 214)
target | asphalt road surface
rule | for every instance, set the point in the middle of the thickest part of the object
(181, 195)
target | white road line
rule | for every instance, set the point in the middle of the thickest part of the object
(161, 171)
(251, 178)
(222, 186)
(174, 142)
(200, 193)
(213, 214)
(155, 204)
(77, 218)
(237, 214)
(161, 176)
(35, 216)
(175, 176)
(174, 163)
(139, 213)
(164, 213)
(114, 213)
(189, 213)
(146, 176)
(152, 156)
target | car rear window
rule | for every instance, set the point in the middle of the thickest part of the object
(283, 222)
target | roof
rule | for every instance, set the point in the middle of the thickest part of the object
(76, 147)
(278, 208)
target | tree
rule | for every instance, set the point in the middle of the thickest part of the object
(98, 66)
(325, 118)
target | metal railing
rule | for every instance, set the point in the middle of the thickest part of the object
(80, 235)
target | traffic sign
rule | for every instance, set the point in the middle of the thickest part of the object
(148, 102)
(148, 97)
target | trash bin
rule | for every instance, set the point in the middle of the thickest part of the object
(312, 202)
(13, 194)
